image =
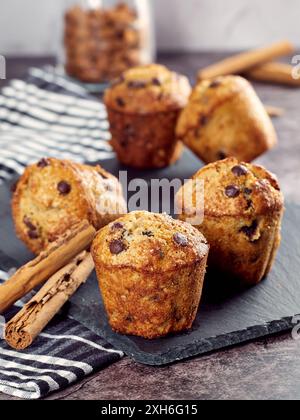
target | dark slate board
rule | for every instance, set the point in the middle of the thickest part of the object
(223, 319)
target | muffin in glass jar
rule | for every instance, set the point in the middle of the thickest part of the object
(102, 39)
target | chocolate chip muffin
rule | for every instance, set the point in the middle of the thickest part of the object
(243, 208)
(143, 107)
(150, 269)
(225, 117)
(53, 195)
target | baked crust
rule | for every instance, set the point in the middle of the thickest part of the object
(147, 90)
(145, 141)
(243, 208)
(150, 269)
(143, 108)
(53, 195)
(223, 118)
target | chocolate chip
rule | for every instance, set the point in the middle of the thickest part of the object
(239, 170)
(249, 204)
(215, 83)
(120, 102)
(27, 222)
(203, 120)
(13, 187)
(136, 84)
(124, 143)
(180, 239)
(129, 130)
(117, 226)
(221, 155)
(33, 234)
(155, 298)
(129, 318)
(247, 191)
(64, 187)
(43, 163)
(232, 191)
(250, 230)
(119, 34)
(156, 81)
(117, 246)
(148, 233)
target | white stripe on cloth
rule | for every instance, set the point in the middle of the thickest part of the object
(76, 338)
(4, 174)
(65, 374)
(11, 164)
(32, 390)
(39, 124)
(50, 360)
(82, 340)
(46, 145)
(51, 77)
(55, 138)
(25, 160)
(4, 275)
(32, 157)
(35, 151)
(53, 385)
(59, 97)
(59, 108)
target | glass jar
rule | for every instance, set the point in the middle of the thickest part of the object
(103, 38)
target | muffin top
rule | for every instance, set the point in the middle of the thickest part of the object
(205, 97)
(54, 194)
(148, 242)
(148, 89)
(236, 189)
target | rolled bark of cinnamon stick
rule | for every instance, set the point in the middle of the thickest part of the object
(274, 73)
(240, 63)
(56, 256)
(22, 330)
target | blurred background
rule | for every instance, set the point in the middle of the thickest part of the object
(31, 27)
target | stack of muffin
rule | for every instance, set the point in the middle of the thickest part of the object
(102, 43)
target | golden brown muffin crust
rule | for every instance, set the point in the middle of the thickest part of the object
(149, 242)
(148, 89)
(150, 270)
(224, 117)
(232, 188)
(243, 208)
(53, 195)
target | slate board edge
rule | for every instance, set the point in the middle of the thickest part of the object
(200, 347)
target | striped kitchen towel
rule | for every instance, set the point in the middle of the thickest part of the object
(64, 353)
(48, 115)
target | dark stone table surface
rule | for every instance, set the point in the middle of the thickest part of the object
(268, 368)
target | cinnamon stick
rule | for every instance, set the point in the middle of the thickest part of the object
(274, 73)
(22, 330)
(242, 62)
(56, 256)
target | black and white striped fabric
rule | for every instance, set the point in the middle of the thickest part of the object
(64, 353)
(47, 115)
